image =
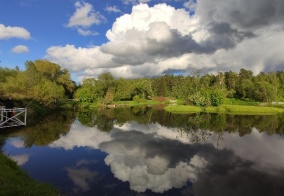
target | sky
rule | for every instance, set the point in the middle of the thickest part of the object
(143, 38)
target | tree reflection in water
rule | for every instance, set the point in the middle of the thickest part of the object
(46, 131)
(194, 125)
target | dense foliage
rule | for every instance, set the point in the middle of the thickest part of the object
(47, 83)
(206, 90)
(42, 80)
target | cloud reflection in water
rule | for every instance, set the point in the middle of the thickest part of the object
(154, 157)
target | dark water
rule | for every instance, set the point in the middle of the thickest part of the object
(142, 151)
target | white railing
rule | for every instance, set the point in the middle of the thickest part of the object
(18, 117)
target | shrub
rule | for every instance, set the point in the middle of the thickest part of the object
(216, 98)
(200, 99)
(136, 98)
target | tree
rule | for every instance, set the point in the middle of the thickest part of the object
(245, 84)
(124, 89)
(54, 73)
(200, 98)
(263, 91)
(85, 94)
(48, 92)
(216, 97)
(69, 85)
(39, 74)
(280, 76)
(142, 88)
(162, 87)
(206, 81)
(48, 69)
(90, 91)
(107, 81)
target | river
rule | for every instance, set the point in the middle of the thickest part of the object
(146, 151)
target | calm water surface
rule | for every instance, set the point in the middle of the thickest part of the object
(142, 151)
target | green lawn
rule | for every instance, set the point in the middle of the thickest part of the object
(183, 109)
(233, 101)
(230, 109)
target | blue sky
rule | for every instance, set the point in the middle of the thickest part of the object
(143, 38)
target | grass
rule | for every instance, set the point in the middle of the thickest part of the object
(229, 109)
(240, 109)
(183, 109)
(233, 101)
(14, 181)
(230, 106)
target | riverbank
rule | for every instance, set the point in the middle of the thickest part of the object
(230, 106)
(228, 109)
(14, 181)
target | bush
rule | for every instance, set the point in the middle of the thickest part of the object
(200, 98)
(216, 98)
(136, 98)
(207, 98)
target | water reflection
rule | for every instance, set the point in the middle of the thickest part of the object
(141, 150)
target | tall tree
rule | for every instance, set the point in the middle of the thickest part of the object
(231, 79)
(124, 89)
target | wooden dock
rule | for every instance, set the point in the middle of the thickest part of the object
(18, 117)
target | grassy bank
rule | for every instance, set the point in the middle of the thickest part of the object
(230, 106)
(230, 109)
(183, 109)
(13, 181)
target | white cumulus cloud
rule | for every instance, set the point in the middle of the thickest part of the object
(85, 15)
(7, 32)
(20, 49)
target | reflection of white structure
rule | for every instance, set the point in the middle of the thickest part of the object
(133, 158)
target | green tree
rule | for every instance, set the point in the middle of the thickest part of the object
(217, 97)
(90, 91)
(85, 94)
(280, 76)
(263, 91)
(48, 92)
(142, 88)
(106, 81)
(124, 89)
(231, 79)
(200, 98)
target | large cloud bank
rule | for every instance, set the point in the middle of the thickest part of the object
(150, 41)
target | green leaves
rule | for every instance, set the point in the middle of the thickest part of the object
(48, 92)
(205, 98)
(42, 80)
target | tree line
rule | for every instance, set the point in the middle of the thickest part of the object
(47, 83)
(196, 89)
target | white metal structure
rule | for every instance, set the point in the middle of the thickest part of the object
(18, 118)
